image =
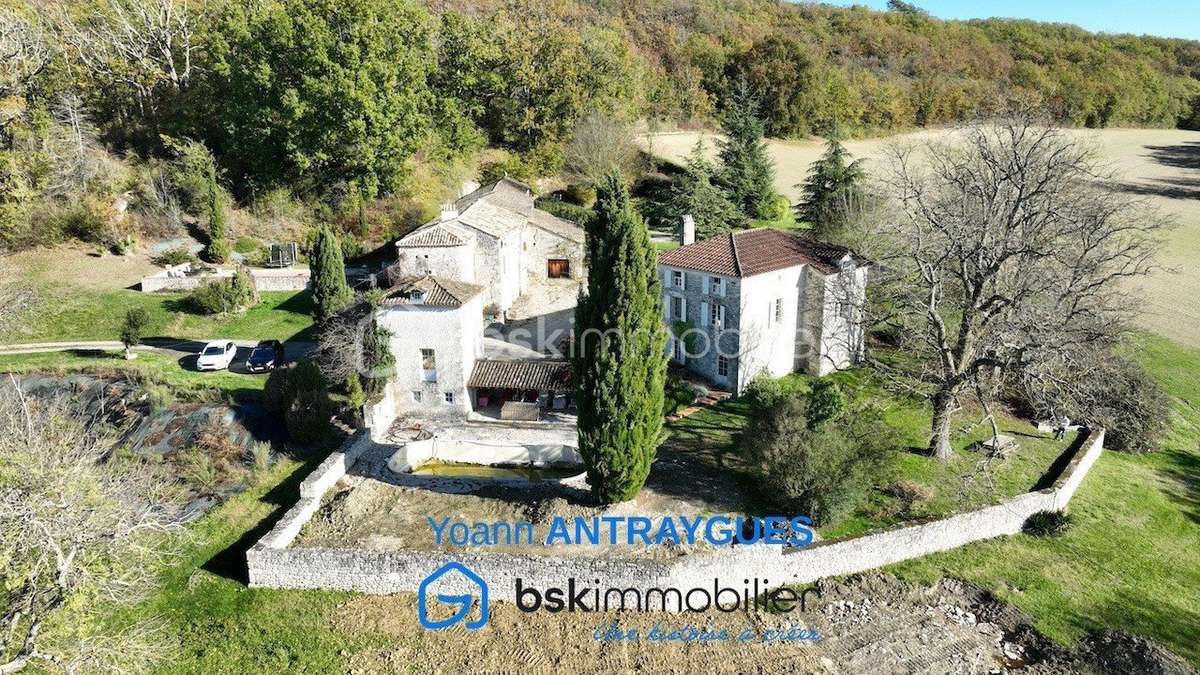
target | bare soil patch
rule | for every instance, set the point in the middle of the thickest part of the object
(376, 509)
(867, 624)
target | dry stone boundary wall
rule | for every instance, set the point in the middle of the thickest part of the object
(272, 563)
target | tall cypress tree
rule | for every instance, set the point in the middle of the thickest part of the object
(330, 292)
(620, 349)
(746, 170)
(218, 244)
(831, 190)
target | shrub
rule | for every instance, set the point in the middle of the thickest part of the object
(83, 221)
(285, 384)
(225, 295)
(1116, 393)
(564, 210)
(247, 245)
(137, 319)
(1048, 523)
(911, 495)
(823, 473)
(679, 395)
(125, 245)
(351, 247)
(307, 419)
(259, 455)
(174, 256)
(825, 402)
(198, 470)
(1131, 406)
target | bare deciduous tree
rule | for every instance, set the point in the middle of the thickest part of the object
(142, 45)
(24, 54)
(75, 153)
(598, 145)
(1003, 252)
(75, 522)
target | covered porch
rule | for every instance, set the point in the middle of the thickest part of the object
(532, 390)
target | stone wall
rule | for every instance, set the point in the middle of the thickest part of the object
(178, 279)
(273, 564)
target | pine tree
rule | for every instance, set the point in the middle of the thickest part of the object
(746, 170)
(620, 349)
(218, 243)
(695, 194)
(330, 292)
(833, 187)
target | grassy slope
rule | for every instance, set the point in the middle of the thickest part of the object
(221, 625)
(1132, 561)
(87, 314)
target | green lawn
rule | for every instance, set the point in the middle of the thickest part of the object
(82, 314)
(1132, 560)
(149, 367)
(967, 481)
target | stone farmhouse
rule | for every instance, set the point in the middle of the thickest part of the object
(761, 300)
(493, 236)
(447, 369)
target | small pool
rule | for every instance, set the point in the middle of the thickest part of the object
(528, 472)
(510, 460)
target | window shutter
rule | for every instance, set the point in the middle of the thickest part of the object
(667, 308)
(721, 315)
(683, 309)
(704, 314)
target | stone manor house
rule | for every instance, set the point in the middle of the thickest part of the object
(761, 300)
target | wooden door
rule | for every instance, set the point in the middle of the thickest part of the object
(558, 268)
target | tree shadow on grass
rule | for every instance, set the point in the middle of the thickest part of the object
(230, 562)
(1186, 155)
(1164, 619)
(1184, 468)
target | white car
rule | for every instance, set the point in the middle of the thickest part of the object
(216, 356)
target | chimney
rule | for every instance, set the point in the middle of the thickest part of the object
(687, 234)
(468, 187)
(449, 212)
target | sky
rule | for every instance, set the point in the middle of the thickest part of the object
(1167, 18)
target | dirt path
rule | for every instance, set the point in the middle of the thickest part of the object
(1161, 165)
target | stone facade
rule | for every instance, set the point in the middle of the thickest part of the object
(493, 237)
(455, 336)
(786, 320)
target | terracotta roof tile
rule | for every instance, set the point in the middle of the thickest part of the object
(435, 291)
(435, 234)
(750, 252)
(541, 374)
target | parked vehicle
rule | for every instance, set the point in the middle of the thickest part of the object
(267, 355)
(216, 356)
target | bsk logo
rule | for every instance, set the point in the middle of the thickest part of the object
(462, 603)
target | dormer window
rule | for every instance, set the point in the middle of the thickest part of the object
(847, 264)
(676, 279)
(416, 297)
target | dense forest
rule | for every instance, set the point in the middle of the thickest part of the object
(365, 109)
